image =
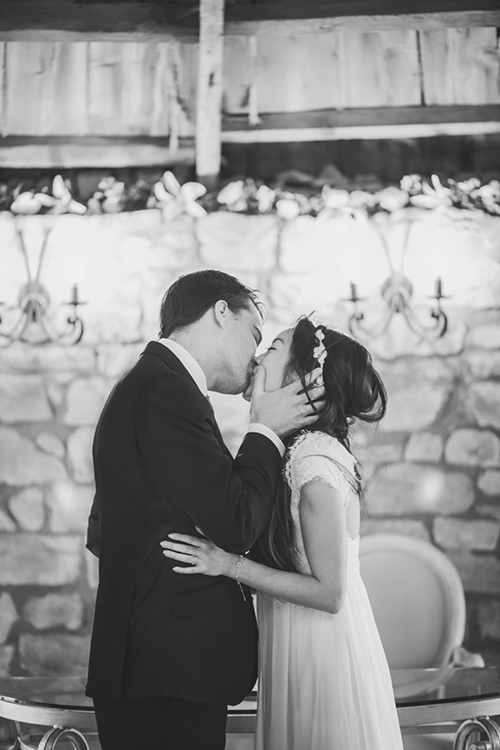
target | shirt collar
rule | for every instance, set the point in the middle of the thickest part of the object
(189, 363)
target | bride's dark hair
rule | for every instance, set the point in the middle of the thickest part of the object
(353, 390)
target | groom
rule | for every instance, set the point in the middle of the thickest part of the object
(169, 652)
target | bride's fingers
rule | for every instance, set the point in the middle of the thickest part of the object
(183, 549)
(187, 538)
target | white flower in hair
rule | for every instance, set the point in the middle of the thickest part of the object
(319, 351)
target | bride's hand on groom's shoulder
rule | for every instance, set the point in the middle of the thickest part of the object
(290, 408)
(198, 555)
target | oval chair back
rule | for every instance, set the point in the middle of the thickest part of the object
(417, 599)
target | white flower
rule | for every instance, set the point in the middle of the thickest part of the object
(319, 351)
(31, 202)
(265, 197)
(232, 193)
(392, 198)
(436, 196)
(175, 199)
(411, 183)
(287, 208)
(333, 198)
(64, 200)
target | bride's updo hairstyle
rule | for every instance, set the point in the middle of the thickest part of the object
(353, 391)
(353, 388)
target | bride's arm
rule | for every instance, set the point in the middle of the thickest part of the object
(323, 523)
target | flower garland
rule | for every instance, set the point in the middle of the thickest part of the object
(246, 196)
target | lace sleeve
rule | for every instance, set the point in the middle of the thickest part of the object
(317, 457)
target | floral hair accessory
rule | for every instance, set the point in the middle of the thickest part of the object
(319, 351)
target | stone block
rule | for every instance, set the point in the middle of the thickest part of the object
(400, 341)
(485, 403)
(85, 400)
(238, 242)
(468, 447)
(22, 464)
(402, 489)
(479, 573)
(42, 560)
(407, 527)
(6, 654)
(113, 360)
(25, 358)
(175, 245)
(50, 443)
(484, 336)
(54, 610)
(69, 507)
(23, 399)
(28, 509)
(332, 245)
(488, 618)
(424, 446)
(484, 365)
(456, 533)
(416, 394)
(80, 454)
(8, 615)
(6, 523)
(292, 294)
(45, 655)
(488, 511)
(489, 483)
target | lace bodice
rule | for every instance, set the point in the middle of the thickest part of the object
(317, 455)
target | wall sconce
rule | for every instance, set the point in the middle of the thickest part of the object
(32, 309)
(397, 293)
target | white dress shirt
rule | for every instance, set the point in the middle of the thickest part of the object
(200, 379)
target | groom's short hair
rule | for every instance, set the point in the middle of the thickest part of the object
(190, 296)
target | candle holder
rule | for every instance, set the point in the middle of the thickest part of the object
(33, 324)
(397, 293)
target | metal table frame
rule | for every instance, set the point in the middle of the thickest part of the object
(468, 718)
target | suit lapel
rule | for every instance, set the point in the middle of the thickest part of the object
(154, 347)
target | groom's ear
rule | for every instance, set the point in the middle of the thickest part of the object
(220, 311)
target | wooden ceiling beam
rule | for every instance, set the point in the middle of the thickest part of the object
(318, 16)
(68, 20)
(59, 152)
(368, 123)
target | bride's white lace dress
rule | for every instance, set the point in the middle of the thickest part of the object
(324, 683)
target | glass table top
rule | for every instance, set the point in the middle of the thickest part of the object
(412, 687)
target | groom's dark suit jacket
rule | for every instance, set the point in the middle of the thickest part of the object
(161, 466)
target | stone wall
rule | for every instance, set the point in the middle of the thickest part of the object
(432, 468)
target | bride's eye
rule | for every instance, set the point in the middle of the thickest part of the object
(271, 349)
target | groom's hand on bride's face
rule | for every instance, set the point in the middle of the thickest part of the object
(290, 408)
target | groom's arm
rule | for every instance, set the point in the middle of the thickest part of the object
(230, 500)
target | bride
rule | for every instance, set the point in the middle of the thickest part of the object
(324, 682)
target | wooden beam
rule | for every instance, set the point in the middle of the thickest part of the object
(87, 152)
(317, 16)
(210, 88)
(70, 20)
(373, 123)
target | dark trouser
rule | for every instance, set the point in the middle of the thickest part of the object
(160, 723)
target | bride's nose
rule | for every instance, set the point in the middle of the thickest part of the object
(258, 360)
